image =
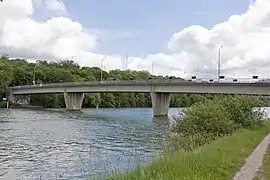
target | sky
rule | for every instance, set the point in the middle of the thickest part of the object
(177, 37)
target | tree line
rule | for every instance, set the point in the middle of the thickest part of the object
(15, 72)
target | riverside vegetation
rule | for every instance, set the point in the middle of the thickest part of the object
(211, 141)
(17, 72)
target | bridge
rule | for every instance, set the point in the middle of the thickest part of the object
(160, 90)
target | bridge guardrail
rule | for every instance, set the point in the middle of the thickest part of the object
(104, 82)
(128, 82)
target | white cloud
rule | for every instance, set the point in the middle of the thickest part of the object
(56, 5)
(57, 37)
(246, 40)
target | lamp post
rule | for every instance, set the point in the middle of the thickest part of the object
(34, 78)
(101, 65)
(153, 67)
(126, 61)
(219, 57)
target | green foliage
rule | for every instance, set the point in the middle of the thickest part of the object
(242, 109)
(5, 75)
(212, 141)
(19, 72)
(211, 119)
(220, 159)
(264, 171)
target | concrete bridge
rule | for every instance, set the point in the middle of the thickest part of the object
(160, 90)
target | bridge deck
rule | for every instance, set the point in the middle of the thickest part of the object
(173, 82)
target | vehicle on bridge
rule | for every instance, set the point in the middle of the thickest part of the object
(263, 81)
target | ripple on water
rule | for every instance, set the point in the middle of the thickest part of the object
(36, 143)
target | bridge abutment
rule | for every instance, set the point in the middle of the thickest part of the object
(73, 101)
(160, 103)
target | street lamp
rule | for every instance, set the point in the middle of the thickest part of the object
(34, 78)
(171, 69)
(126, 61)
(101, 65)
(219, 62)
(153, 67)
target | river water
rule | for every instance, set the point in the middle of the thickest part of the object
(43, 144)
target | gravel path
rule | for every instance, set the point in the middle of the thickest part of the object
(253, 162)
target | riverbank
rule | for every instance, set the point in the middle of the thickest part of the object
(211, 141)
(3, 104)
(26, 106)
(220, 159)
(264, 171)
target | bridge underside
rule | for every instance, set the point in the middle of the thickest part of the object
(160, 102)
(74, 100)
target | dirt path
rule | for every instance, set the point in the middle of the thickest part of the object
(253, 162)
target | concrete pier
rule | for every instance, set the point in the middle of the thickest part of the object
(73, 101)
(11, 97)
(160, 103)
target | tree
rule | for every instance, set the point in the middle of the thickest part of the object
(19, 72)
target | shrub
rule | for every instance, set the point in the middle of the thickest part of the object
(242, 109)
(208, 120)
(208, 117)
(189, 142)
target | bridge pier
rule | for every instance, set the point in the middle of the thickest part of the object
(160, 103)
(73, 101)
(11, 97)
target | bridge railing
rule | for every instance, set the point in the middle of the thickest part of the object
(149, 81)
(228, 80)
(103, 83)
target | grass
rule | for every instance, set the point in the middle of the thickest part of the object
(220, 159)
(264, 171)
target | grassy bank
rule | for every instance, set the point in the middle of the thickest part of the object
(264, 172)
(217, 160)
(212, 141)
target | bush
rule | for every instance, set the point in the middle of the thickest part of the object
(179, 141)
(205, 121)
(205, 117)
(242, 109)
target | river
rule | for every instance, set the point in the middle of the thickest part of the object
(54, 144)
